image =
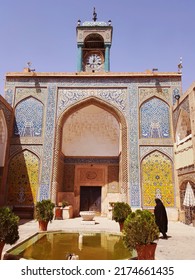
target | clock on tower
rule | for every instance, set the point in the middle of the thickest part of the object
(94, 42)
(94, 61)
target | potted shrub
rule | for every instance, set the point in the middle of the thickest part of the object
(8, 227)
(139, 233)
(67, 210)
(44, 213)
(120, 212)
(58, 211)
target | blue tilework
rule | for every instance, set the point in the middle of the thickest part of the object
(28, 118)
(155, 119)
(9, 95)
(128, 104)
(48, 144)
(135, 194)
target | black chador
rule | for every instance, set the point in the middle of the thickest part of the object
(161, 217)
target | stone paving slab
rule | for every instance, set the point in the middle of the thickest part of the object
(179, 246)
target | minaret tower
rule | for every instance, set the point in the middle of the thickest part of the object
(94, 39)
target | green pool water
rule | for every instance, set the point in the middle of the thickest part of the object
(58, 245)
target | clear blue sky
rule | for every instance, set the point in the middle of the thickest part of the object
(147, 34)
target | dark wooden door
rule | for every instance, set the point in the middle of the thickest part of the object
(90, 199)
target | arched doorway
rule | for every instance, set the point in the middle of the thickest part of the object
(90, 151)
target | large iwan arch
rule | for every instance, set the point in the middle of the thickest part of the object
(97, 169)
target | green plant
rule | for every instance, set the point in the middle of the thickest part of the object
(8, 227)
(44, 210)
(120, 211)
(65, 203)
(140, 229)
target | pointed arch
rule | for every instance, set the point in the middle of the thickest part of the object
(183, 127)
(94, 40)
(23, 178)
(123, 142)
(28, 117)
(96, 131)
(154, 118)
(3, 138)
(157, 179)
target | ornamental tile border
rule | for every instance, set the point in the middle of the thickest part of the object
(70, 160)
(48, 144)
(134, 180)
(68, 97)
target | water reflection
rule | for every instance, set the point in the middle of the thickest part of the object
(88, 246)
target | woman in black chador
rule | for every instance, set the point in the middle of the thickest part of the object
(161, 217)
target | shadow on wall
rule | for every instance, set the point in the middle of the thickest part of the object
(23, 168)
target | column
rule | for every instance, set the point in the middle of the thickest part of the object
(107, 57)
(80, 57)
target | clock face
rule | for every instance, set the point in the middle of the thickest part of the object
(93, 62)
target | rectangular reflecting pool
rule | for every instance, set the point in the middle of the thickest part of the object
(59, 245)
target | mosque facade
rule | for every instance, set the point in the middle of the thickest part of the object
(94, 137)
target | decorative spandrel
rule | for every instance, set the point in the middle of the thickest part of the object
(67, 97)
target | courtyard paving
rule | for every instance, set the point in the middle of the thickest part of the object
(179, 246)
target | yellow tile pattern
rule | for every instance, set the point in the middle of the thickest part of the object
(157, 180)
(23, 179)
